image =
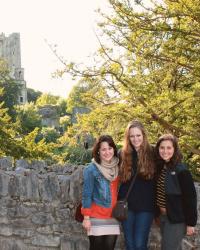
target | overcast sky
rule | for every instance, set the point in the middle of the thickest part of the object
(68, 23)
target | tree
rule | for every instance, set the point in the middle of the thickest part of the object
(28, 118)
(11, 90)
(39, 150)
(33, 95)
(49, 134)
(76, 96)
(12, 141)
(62, 106)
(10, 145)
(72, 148)
(45, 99)
(148, 70)
(65, 121)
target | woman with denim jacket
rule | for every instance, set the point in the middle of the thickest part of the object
(176, 195)
(100, 195)
(137, 156)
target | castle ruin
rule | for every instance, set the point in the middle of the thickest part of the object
(10, 51)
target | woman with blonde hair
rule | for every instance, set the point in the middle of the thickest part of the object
(137, 158)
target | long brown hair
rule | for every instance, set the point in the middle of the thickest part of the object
(145, 164)
(177, 156)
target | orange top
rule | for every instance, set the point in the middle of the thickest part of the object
(97, 211)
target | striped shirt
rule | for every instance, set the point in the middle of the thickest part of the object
(160, 189)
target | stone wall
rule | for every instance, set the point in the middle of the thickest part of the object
(37, 205)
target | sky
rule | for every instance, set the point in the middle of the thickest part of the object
(69, 24)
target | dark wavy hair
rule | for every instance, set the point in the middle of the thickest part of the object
(97, 145)
(177, 156)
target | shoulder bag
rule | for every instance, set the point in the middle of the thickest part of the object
(120, 211)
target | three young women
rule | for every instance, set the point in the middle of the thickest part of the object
(176, 196)
(100, 195)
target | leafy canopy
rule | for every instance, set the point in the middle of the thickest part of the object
(147, 67)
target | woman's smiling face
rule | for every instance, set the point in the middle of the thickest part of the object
(106, 152)
(166, 150)
(136, 137)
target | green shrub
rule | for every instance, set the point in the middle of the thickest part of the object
(77, 155)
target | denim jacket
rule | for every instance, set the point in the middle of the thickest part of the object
(95, 188)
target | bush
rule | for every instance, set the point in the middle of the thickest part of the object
(77, 155)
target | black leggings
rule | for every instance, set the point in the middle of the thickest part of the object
(103, 242)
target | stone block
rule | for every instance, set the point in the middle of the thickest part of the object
(20, 170)
(21, 223)
(63, 215)
(72, 242)
(4, 220)
(6, 230)
(49, 188)
(42, 219)
(45, 230)
(3, 211)
(6, 163)
(64, 228)
(21, 163)
(29, 187)
(19, 211)
(64, 182)
(39, 166)
(14, 186)
(76, 186)
(82, 245)
(46, 241)
(23, 233)
(187, 245)
(66, 243)
(4, 183)
(12, 244)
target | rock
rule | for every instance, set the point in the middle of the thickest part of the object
(47, 241)
(43, 219)
(6, 163)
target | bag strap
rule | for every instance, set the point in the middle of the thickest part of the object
(130, 187)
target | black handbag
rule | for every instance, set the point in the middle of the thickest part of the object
(120, 211)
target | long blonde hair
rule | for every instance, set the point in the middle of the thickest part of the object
(145, 164)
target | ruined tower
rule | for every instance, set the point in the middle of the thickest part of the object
(10, 51)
